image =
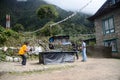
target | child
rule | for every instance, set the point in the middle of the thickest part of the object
(22, 51)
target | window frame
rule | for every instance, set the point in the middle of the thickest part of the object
(114, 1)
(111, 40)
(109, 30)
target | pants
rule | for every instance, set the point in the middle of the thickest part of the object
(77, 55)
(23, 59)
(84, 56)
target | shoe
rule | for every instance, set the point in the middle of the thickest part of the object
(83, 60)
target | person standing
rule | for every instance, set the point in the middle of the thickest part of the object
(83, 48)
(75, 48)
(22, 51)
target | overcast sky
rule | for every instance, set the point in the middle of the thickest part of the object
(76, 5)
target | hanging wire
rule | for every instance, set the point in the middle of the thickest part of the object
(72, 15)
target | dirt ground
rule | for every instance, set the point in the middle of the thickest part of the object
(93, 69)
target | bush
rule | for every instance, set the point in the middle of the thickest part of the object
(3, 38)
(2, 56)
(92, 43)
(10, 32)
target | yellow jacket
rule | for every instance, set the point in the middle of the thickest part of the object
(22, 50)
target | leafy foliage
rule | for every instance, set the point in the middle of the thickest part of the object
(11, 33)
(56, 30)
(6, 35)
(25, 14)
(2, 56)
(21, 12)
(47, 11)
(18, 27)
(48, 30)
(3, 38)
(77, 25)
(1, 29)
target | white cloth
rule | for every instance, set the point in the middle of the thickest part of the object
(5, 49)
(37, 49)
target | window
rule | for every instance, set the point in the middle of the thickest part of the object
(21, 0)
(108, 26)
(114, 1)
(111, 43)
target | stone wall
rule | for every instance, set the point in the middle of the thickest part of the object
(100, 37)
(99, 51)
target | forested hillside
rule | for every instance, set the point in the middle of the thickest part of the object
(21, 12)
(25, 13)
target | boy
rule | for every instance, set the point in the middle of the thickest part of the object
(22, 51)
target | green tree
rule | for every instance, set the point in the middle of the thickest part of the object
(3, 37)
(47, 11)
(11, 33)
(55, 30)
(48, 30)
(18, 27)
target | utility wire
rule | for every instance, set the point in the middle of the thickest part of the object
(72, 15)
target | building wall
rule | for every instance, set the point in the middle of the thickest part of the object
(100, 37)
